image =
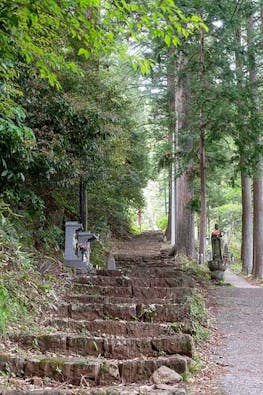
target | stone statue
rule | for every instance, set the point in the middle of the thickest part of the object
(217, 265)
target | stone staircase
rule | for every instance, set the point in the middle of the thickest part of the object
(113, 330)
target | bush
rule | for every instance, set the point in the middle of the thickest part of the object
(163, 223)
(24, 291)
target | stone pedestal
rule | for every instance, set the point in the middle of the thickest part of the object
(217, 265)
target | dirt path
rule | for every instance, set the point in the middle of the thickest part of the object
(240, 320)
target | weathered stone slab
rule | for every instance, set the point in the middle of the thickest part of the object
(149, 294)
(102, 311)
(112, 327)
(50, 342)
(81, 298)
(165, 375)
(85, 346)
(96, 371)
(86, 311)
(177, 344)
(103, 290)
(109, 347)
(12, 363)
(138, 370)
(172, 282)
(112, 281)
(162, 312)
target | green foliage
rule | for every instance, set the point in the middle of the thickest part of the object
(198, 314)
(175, 327)
(49, 139)
(16, 142)
(201, 272)
(52, 238)
(23, 291)
(162, 223)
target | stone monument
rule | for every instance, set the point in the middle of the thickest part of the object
(77, 247)
(218, 264)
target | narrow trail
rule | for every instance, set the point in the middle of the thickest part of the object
(240, 319)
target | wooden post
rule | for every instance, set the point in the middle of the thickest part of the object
(83, 203)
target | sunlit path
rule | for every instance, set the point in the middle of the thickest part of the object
(237, 281)
(240, 319)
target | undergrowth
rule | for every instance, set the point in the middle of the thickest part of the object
(200, 272)
(198, 314)
(24, 291)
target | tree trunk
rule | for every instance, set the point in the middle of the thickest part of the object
(258, 226)
(258, 177)
(185, 217)
(246, 183)
(171, 65)
(203, 212)
(168, 229)
(184, 185)
(178, 93)
(247, 225)
(202, 233)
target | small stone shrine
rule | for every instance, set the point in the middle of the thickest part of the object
(77, 247)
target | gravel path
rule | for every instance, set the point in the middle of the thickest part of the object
(240, 320)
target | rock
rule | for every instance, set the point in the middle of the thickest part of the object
(170, 390)
(180, 391)
(165, 375)
(164, 387)
(37, 381)
(145, 390)
(111, 265)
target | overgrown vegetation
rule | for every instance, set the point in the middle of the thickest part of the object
(25, 290)
(198, 314)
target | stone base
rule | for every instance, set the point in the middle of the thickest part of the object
(217, 275)
(217, 269)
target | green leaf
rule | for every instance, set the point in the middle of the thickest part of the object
(85, 52)
(5, 173)
(167, 40)
(176, 41)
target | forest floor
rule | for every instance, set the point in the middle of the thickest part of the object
(238, 353)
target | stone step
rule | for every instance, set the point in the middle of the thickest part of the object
(125, 311)
(160, 272)
(95, 371)
(24, 391)
(125, 292)
(120, 389)
(175, 281)
(108, 347)
(112, 327)
(143, 297)
(166, 294)
(92, 312)
(147, 293)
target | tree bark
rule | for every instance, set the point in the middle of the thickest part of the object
(184, 184)
(247, 225)
(246, 182)
(258, 226)
(203, 212)
(185, 217)
(171, 65)
(178, 93)
(258, 176)
(168, 229)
